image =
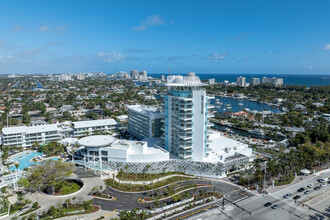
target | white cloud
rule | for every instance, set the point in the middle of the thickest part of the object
(17, 28)
(44, 28)
(217, 56)
(61, 29)
(111, 56)
(154, 20)
(30, 53)
(326, 47)
(5, 59)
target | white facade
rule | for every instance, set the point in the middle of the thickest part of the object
(83, 128)
(273, 80)
(143, 76)
(224, 148)
(144, 121)
(134, 74)
(25, 136)
(108, 149)
(241, 81)
(187, 113)
(254, 81)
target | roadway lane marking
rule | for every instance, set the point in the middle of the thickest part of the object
(110, 214)
(196, 212)
(241, 193)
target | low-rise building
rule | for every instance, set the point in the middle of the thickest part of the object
(25, 136)
(84, 128)
(108, 149)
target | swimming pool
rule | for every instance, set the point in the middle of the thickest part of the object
(24, 159)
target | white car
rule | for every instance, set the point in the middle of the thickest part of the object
(323, 184)
(311, 185)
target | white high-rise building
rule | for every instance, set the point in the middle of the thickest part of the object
(254, 81)
(273, 80)
(187, 112)
(143, 76)
(241, 81)
(80, 76)
(134, 74)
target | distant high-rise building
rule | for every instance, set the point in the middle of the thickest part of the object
(143, 76)
(134, 74)
(273, 81)
(254, 81)
(241, 81)
(80, 76)
(187, 112)
(211, 81)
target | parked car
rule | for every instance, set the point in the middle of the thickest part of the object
(317, 187)
(307, 192)
(324, 184)
(268, 204)
(311, 185)
(275, 206)
(296, 197)
(287, 195)
(302, 189)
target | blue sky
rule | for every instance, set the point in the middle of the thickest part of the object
(236, 36)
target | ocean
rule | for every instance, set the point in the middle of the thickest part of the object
(289, 79)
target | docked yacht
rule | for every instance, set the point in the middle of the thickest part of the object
(257, 132)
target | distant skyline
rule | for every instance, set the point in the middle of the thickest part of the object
(239, 36)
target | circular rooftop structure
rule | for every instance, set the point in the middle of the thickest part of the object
(96, 141)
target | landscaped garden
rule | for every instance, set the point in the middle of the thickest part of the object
(70, 207)
(141, 187)
(52, 177)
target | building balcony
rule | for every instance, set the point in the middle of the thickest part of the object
(185, 118)
(209, 124)
(185, 128)
(185, 137)
(185, 109)
(185, 156)
(185, 147)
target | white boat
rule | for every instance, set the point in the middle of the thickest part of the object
(240, 104)
(224, 109)
(228, 107)
(217, 101)
(257, 132)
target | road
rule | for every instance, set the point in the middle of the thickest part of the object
(128, 201)
(288, 209)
